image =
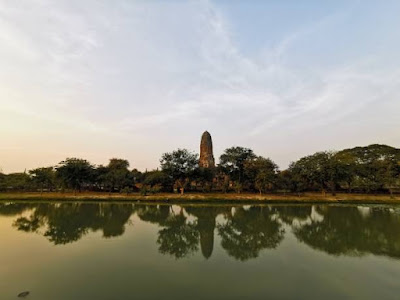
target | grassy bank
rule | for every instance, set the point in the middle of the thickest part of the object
(204, 198)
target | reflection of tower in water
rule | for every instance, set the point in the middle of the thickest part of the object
(206, 228)
(206, 224)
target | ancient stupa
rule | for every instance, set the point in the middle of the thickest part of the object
(206, 151)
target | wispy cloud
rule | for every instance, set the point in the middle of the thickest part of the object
(131, 70)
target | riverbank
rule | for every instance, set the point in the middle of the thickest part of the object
(205, 198)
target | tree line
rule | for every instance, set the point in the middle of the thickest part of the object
(371, 169)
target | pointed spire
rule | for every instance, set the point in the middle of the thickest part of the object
(206, 151)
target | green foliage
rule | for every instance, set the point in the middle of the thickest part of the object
(204, 177)
(179, 165)
(17, 182)
(286, 182)
(116, 176)
(371, 168)
(144, 190)
(322, 170)
(43, 178)
(232, 161)
(75, 173)
(159, 179)
(150, 190)
(238, 187)
(126, 190)
(375, 168)
(261, 173)
(3, 185)
(137, 176)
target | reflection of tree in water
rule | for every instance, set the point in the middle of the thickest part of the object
(336, 230)
(178, 236)
(347, 231)
(248, 231)
(156, 214)
(68, 222)
(13, 209)
(113, 218)
(290, 213)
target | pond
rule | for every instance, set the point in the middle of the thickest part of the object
(134, 251)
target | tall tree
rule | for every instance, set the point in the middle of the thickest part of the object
(116, 175)
(179, 165)
(262, 173)
(2, 181)
(232, 162)
(75, 173)
(321, 169)
(137, 176)
(17, 182)
(43, 178)
(372, 168)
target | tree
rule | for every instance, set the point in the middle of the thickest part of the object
(137, 176)
(116, 175)
(262, 173)
(322, 170)
(204, 177)
(389, 175)
(17, 182)
(232, 162)
(99, 175)
(179, 165)
(158, 180)
(286, 182)
(295, 179)
(75, 173)
(43, 178)
(371, 168)
(3, 185)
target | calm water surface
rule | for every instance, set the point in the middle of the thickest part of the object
(131, 251)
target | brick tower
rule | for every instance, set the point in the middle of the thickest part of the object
(206, 151)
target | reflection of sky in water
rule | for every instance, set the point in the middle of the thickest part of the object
(292, 251)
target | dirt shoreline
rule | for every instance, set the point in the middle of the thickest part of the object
(314, 198)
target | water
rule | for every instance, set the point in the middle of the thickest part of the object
(131, 251)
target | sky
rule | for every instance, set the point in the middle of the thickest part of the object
(98, 79)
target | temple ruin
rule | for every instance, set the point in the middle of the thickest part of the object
(206, 151)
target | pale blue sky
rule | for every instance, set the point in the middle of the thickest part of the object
(134, 79)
